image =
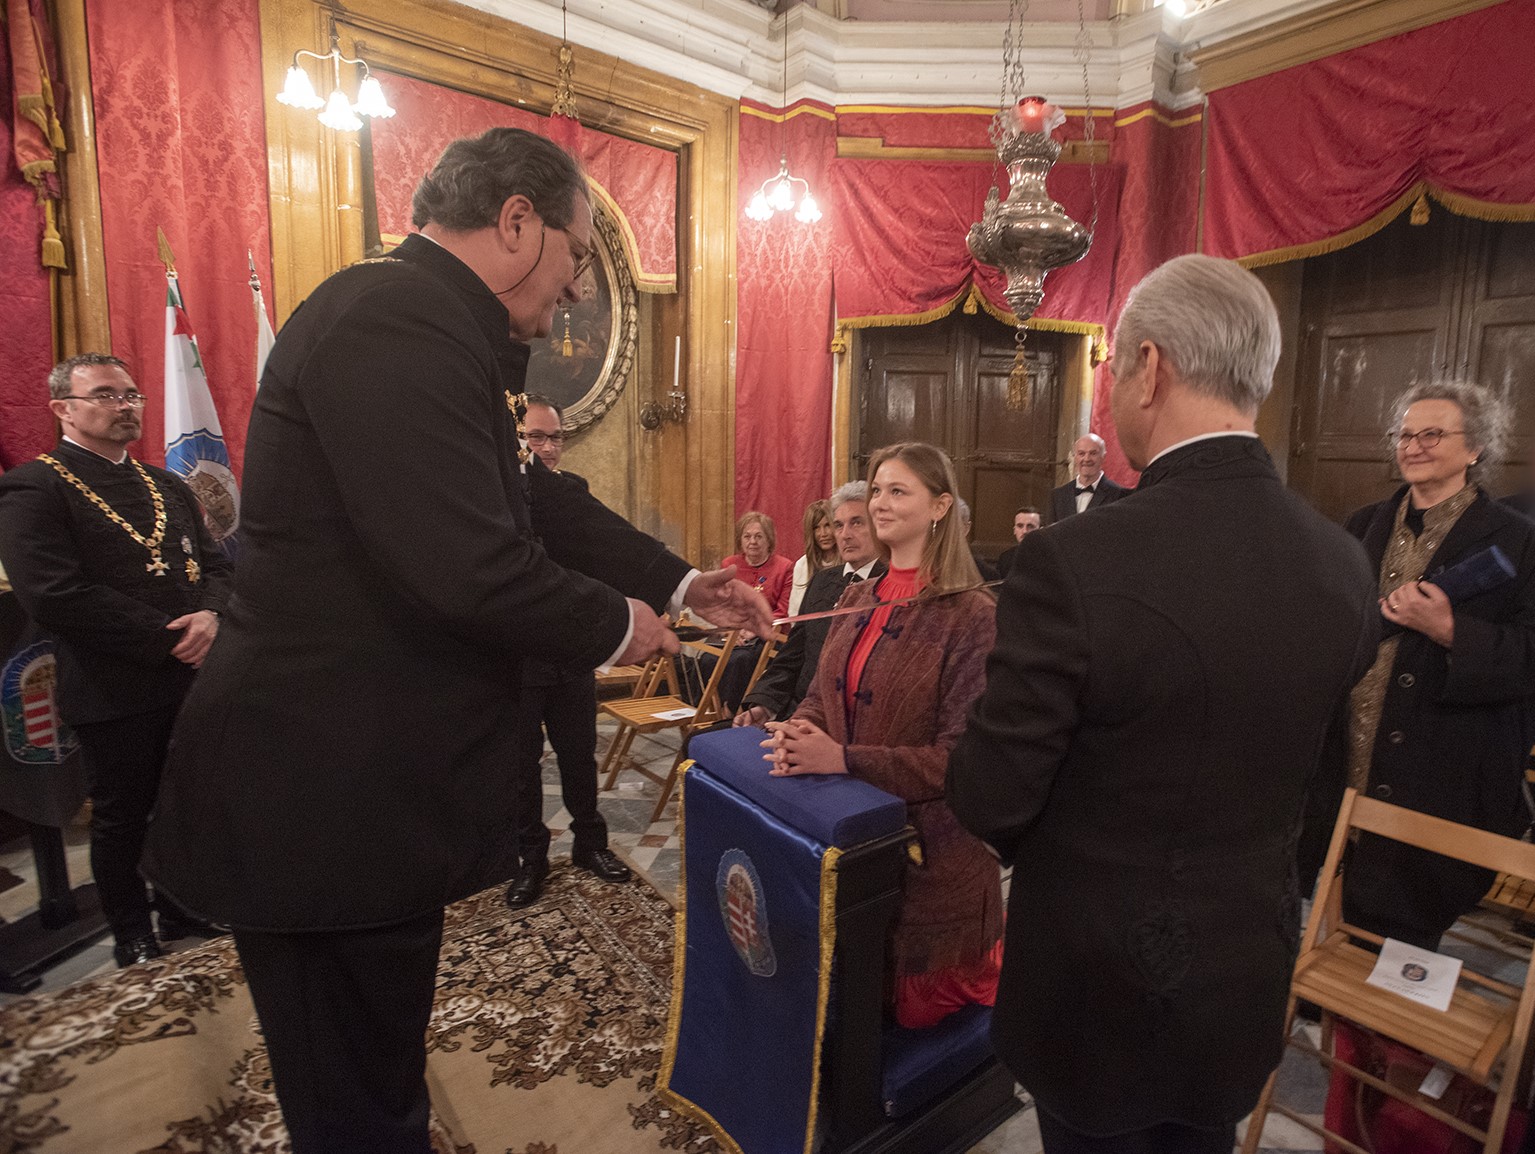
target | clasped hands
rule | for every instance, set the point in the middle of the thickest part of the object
(1422, 607)
(717, 597)
(798, 746)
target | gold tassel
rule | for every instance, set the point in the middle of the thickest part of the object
(970, 309)
(1419, 210)
(567, 348)
(53, 244)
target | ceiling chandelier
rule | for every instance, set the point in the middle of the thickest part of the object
(339, 113)
(1028, 234)
(784, 192)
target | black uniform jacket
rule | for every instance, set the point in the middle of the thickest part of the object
(345, 758)
(1163, 680)
(88, 584)
(1063, 498)
(1453, 739)
(787, 678)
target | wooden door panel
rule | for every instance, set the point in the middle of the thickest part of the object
(1500, 337)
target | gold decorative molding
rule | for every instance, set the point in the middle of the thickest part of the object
(875, 148)
(1317, 34)
(81, 322)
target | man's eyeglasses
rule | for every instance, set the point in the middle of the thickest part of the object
(110, 400)
(583, 258)
(1427, 438)
(546, 438)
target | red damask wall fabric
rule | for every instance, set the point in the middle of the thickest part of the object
(783, 338)
(639, 178)
(26, 334)
(1324, 147)
(181, 139)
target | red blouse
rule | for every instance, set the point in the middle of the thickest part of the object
(894, 584)
(775, 577)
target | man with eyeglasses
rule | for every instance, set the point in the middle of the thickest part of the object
(563, 704)
(113, 559)
(343, 769)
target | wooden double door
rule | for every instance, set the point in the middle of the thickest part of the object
(1454, 297)
(947, 383)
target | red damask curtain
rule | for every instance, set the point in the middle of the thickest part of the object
(783, 337)
(1320, 155)
(26, 336)
(181, 144)
(638, 181)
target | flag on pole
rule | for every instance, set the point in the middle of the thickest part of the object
(194, 439)
(265, 337)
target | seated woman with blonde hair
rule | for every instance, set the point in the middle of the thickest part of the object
(820, 550)
(889, 701)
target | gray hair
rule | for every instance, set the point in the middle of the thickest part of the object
(476, 175)
(1485, 416)
(1213, 320)
(852, 491)
(61, 377)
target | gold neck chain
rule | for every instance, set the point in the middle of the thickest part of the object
(157, 564)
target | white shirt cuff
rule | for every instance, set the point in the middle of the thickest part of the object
(673, 607)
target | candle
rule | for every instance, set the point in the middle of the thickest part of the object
(677, 369)
(1032, 113)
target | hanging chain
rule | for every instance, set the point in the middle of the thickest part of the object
(1083, 52)
(1014, 74)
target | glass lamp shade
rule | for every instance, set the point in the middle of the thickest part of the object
(298, 91)
(759, 209)
(370, 99)
(809, 211)
(338, 114)
(782, 196)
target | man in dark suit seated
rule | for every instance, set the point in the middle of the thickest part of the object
(562, 703)
(1025, 521)
(1089, 487)
(787, 678)
(1151, 724)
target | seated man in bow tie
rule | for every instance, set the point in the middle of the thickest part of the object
(787, 678)
(1090, 488)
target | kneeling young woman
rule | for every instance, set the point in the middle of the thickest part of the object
(889, 700)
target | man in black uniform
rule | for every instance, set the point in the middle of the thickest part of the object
(342, 769)
(565, 705)
(111, 556)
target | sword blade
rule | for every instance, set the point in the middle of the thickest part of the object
(697, 633)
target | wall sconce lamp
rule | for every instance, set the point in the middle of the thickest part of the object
(339, 113)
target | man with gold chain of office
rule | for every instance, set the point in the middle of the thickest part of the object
(112, 557)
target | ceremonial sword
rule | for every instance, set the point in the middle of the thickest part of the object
(698, 633)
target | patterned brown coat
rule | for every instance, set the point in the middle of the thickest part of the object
(917, 686)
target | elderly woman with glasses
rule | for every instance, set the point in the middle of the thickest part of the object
(1439, 723)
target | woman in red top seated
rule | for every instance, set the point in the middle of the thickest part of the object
(759, 564)
(889, 700)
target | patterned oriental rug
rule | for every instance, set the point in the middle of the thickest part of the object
(545, 1039)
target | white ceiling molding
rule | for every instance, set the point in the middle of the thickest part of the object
(736, 48)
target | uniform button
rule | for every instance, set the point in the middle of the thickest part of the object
(1396, 737)
(1406, 681)
(1382, 791)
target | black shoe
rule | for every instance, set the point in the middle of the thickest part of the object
(602, 862)
(136, 950)
(528, 887)
(174, 927)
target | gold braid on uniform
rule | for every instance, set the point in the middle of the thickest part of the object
(157, 564)
(518, 404)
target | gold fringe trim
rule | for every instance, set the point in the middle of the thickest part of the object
(823, 982)
(972, 298)
(1455, 202)
(1419, 214)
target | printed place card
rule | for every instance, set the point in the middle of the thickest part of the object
(675, 714)
(1424, 977)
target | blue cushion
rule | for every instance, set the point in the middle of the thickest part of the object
(836, 810)
(921, 1064)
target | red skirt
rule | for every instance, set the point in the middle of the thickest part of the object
(923, 1000)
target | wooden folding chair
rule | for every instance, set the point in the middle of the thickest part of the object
(1484, 1033)
(769, 648)
(652, 714)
